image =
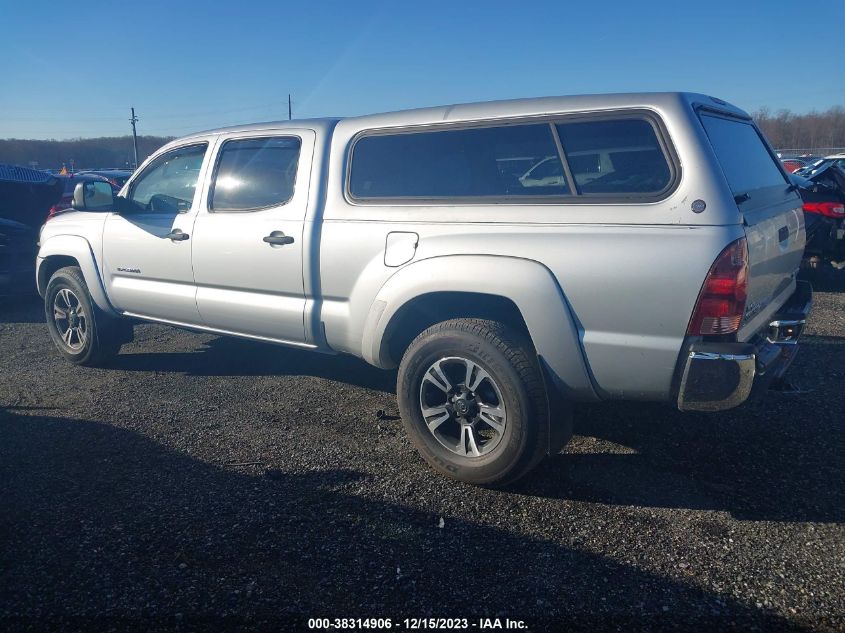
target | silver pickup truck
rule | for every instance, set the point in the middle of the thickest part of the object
(510, 258)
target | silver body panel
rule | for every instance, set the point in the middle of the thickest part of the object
(606, 288)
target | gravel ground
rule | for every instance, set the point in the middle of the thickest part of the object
(200, 478)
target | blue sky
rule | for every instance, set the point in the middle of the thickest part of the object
(73, 69)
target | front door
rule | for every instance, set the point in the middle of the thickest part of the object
(247, 251)
(147, 246)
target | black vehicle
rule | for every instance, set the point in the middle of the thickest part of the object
(823, 194)
(26, 194)
(18, 249)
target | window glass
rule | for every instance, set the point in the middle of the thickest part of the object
(744, 158)
(491, 161)
(547, 168)
(255, 173)
(617, 157)
(169, 183)
(585, 163)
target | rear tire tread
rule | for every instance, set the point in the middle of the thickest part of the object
(519, 352)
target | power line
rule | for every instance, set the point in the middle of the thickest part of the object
(184, 115)
(61, 118)
(213, 112)
(169, 130)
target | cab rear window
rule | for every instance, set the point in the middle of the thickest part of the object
(746, 161)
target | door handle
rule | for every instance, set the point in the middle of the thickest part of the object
(177, 236)
(277, 238)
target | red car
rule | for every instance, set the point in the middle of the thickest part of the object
(793, 164)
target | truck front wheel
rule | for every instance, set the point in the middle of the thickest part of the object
(83, 334)
(473, 401)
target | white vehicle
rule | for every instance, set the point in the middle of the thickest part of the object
(816, 166)
(585, 166)
(658, 264)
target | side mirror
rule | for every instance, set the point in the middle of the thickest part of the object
(93, 196)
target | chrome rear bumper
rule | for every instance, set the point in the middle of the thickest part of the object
(718, 376)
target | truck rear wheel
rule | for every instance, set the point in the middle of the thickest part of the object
(82, 332)
(473, 401)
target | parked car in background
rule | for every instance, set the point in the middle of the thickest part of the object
(793, 164)
(823, 196)
(18, 250)
(26, 194)
(809, 158)
(654, 258)
(69, 183)
(813, 167)
(117, 177)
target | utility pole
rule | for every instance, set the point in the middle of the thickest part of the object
(134, 120)
(290, 111)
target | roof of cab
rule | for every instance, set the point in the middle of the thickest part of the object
(494, 109)
(323, 123)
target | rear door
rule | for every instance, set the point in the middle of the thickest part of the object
(247, 247)
(771, 211)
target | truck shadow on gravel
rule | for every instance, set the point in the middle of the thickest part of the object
(775, 459)
(824, 279)
(779, 459)
(102, 523)
(226, 356)
(27, 308)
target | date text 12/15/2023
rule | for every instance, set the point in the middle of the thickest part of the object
(415, 624)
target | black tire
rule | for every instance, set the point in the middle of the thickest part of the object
(103, 335)
(517, 382)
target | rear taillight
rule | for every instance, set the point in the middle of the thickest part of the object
(829, 209)
(721, 302)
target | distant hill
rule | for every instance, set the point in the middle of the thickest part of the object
(86, 153)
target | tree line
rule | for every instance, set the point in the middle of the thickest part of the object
(85, 153)
(784, 129)
(814, 130)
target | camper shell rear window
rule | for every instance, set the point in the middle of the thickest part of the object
(751, 170)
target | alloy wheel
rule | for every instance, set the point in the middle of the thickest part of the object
(462, 406)
(71, 319)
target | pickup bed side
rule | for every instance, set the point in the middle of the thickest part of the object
(528, 284)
